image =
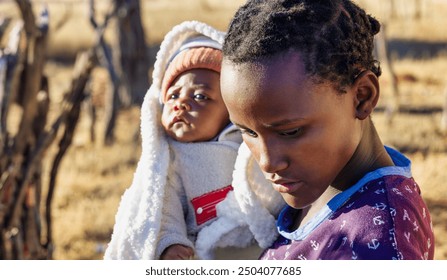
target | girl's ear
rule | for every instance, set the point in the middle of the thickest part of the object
(367, 92)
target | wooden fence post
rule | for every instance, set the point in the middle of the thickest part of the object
(69, 117)
(128, 63)
(131, 57)
(20, 161)
(444, 113)
(22, 228)
(112, 103)
(383, 55)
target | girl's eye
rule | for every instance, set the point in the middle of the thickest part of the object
(248, 132)
(291, 133)
(200, 96)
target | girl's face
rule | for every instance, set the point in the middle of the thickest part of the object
(300, 132)
(193, 107)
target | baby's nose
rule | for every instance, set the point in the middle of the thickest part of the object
(181, 105)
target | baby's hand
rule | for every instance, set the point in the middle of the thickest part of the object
(177, 252)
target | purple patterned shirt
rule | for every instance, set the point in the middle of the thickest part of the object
(383, 216)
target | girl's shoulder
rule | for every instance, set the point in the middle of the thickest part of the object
(391, 210)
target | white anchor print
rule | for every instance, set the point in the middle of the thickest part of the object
(354, 255)
(429, 243)
(407, 187)
(416, 227)
(302, 257)
(391, 232)
(393, 211)
(330, 243)
(314, 244)
(396, 191)
(379, 191)
(349, 205)
(374, 244)
(378, 221)
(407, 236)
(343, 224)
(380, 206)
(392, 237)
(363, 189)
(344, 240)
(406, 216)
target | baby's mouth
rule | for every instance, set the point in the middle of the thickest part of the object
(177, 119)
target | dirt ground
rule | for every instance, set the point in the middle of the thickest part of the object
(93, 177)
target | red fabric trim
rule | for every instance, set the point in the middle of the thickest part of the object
(205, 205)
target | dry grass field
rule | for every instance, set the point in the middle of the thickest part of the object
(92, 177)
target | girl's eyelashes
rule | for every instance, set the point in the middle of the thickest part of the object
(288, 134)
(291, 133)
(248, 132)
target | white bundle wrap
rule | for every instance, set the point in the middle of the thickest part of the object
(247, 214)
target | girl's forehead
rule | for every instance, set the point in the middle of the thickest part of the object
(279, 82)
(269, 61)
(290, 60)
(287, 68)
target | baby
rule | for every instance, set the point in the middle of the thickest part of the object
(204, 147)
(181, 203)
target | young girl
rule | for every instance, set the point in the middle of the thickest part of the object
(181, 203)
(300, 81)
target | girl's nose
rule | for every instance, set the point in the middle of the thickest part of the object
(271, 158)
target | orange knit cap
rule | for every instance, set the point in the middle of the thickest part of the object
(193, 58)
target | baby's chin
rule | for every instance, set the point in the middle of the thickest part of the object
(187, 136)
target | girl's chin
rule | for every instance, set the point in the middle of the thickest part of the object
(295, 202)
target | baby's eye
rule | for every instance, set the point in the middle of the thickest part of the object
(200, 96)
(172, 96)
(291, 133)
(248, 132)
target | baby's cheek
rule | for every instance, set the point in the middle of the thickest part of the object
(164, 118)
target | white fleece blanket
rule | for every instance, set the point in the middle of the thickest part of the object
(246, 215)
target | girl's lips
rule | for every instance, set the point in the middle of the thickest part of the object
(289, 187)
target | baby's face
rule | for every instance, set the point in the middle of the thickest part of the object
(193, 107)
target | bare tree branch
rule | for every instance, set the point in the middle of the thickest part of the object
(83, 68)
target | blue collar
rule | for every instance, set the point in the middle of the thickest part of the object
(286, 217)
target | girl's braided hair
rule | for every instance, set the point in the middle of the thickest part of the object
(335, 37)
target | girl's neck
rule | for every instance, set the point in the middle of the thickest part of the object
(369, 155)
(309, 212)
